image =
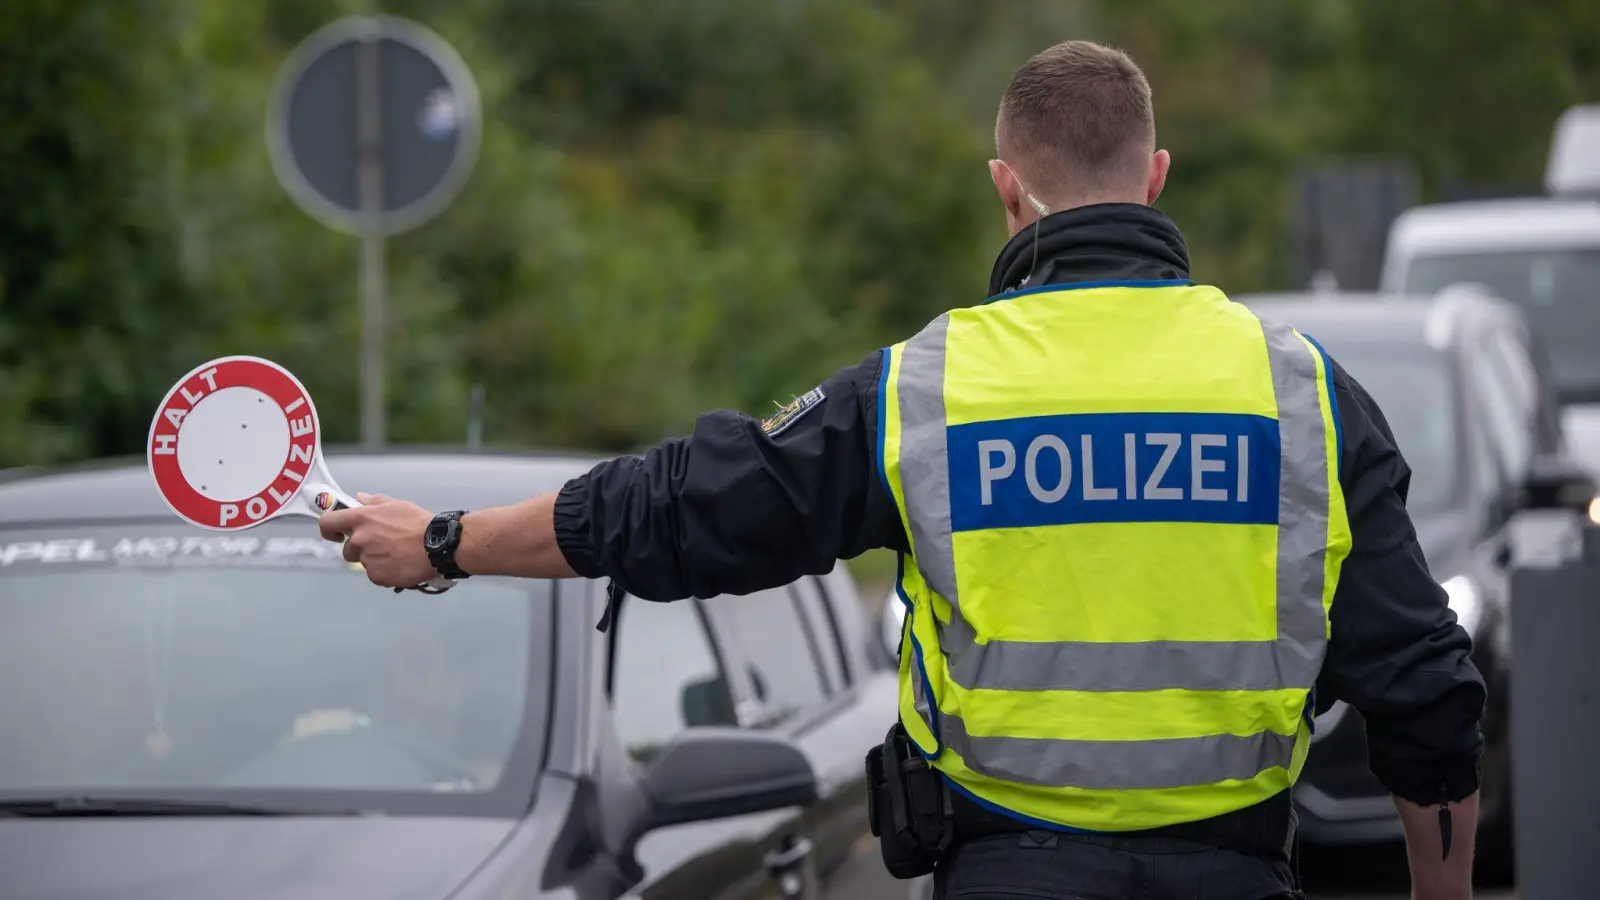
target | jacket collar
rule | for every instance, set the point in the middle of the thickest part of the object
(1101, 242)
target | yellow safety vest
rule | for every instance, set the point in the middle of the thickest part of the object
(1126, 528)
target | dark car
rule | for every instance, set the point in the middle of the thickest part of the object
(193, 714)
(1465, 388)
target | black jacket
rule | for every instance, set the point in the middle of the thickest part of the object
(732, 509)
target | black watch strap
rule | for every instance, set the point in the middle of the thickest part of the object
(441, 540)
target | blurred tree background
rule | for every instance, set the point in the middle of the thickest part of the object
(679, 204)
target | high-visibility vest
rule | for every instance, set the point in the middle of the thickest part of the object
(1126, 528)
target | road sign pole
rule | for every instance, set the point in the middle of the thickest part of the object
(373, 129)
(373, 328)
(475, 417)
(374, 322)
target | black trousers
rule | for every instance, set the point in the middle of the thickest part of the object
(1043, 865)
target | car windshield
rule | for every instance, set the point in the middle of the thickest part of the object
(1559, 292)
(1417, 396)
(158, 660)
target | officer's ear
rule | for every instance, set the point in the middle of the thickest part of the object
(1160, 162)
(1010, 190)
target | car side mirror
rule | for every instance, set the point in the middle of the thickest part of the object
(715, 773)
(1557, 482)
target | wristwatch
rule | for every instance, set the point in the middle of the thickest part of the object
(441, 540)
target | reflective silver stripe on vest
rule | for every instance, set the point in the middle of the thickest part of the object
(1291, 661)
(1302, 507)
(925, 474)
(1119, 765)
(922, 425)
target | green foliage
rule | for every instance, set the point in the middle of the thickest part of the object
(1477, 90)
(679, 204)
(87, 250)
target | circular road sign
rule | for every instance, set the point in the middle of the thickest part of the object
(382, 91)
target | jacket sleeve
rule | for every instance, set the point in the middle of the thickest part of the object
(1396, 652)
(741, 504)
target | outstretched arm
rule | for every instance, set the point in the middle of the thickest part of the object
(738, 506)
(515, 540)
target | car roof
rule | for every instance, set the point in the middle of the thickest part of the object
(1505, 224)
(1379, 320)
(434, 478)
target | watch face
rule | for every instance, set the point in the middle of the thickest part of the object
(439, 532)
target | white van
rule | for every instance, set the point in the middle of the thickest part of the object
(1542, 253)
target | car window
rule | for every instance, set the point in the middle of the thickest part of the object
(776, 645)
(820, 623)
(1508, 431)
(1488, 479)
(1522, 381)
(1554, 289)
(1510, 428)
(665, 675)
(155, 656)
(1517, 353)
(1416, 393)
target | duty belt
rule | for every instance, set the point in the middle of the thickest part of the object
(1265, 829)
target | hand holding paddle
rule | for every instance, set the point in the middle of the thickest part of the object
(236, 442)
(385, 536)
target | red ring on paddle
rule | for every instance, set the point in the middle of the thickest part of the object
(165, 435)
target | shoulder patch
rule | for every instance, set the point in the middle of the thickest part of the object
(791, 412)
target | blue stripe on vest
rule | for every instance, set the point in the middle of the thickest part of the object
(1082, 285)
(1072, 469)
(919, 661)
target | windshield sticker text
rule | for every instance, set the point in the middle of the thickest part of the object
(202, 550)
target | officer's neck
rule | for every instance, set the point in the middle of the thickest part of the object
(1100, 242)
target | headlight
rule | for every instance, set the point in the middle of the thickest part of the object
(1465, 600)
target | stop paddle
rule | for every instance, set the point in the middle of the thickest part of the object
(236, 443)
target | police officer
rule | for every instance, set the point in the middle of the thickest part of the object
(1144, 536)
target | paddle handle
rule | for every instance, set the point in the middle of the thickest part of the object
(337, 499)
